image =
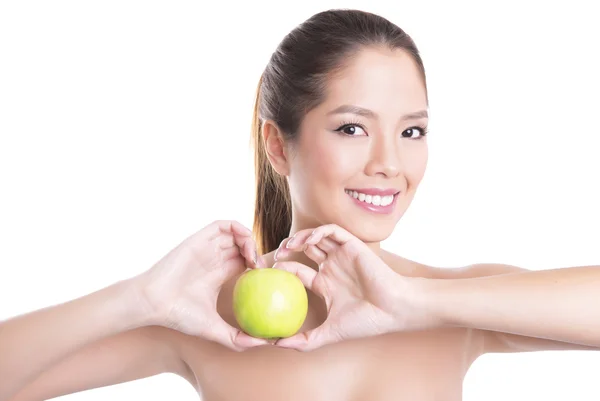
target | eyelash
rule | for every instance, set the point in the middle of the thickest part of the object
(424, 130)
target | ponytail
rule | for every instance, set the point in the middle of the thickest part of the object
(272, 205)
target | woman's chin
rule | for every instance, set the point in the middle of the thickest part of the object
(369, 231)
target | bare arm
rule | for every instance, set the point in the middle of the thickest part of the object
(557, 305)
(131, 355)
(179, 291)
(32, 343)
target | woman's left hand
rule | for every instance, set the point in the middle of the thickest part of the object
(363, 295)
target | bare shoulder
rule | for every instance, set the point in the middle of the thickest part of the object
(416, 269)
(472, 339)
(412, 268)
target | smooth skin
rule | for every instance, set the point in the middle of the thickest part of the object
(384, 328)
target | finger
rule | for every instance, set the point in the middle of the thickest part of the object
(245, 341)
(245, 234)
(235, 233)
(332, 231)
(293, 243)
(260, 262)
(307, 341)
(226, 241)
(327, 245)
(218, 227)
(233, 338)
(247, 248)
(315, 253)
(231, 253)
(215, 229)
(281, 249)
(303, 272)
(298, 239)
(232, 267)
(234, 227)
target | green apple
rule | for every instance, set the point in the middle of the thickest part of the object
(269, 303)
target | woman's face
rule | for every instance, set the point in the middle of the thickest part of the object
(361, 154)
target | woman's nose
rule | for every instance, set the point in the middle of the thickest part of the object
(384, 160)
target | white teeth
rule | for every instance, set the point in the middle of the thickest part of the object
(386, 200)
(376, 200)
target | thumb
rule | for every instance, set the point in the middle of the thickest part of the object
(224, 334)
(306, 341)
(244, 341)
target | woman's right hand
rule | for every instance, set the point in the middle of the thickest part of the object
(180, 290)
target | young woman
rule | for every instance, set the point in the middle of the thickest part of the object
(340, 138)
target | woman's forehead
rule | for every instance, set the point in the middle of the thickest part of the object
(378, 79)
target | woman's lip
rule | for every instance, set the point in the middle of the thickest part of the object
(373, 208)
(375, 191)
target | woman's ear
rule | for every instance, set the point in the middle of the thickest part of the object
(275, 147)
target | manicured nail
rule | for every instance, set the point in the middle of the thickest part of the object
(291, 242)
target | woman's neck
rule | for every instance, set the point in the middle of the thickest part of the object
(303, 224)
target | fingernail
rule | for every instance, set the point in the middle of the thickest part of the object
(290, 242)
(261, 262)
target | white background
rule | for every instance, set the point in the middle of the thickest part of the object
(124, 127)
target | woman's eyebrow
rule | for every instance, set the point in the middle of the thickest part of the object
(361, 111)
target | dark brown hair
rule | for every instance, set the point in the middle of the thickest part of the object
(293, 83)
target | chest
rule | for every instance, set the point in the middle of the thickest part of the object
(403, 366)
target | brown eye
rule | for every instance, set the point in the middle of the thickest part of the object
(413, 133)
(351, 130)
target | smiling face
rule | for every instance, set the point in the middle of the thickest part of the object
(361, 154)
